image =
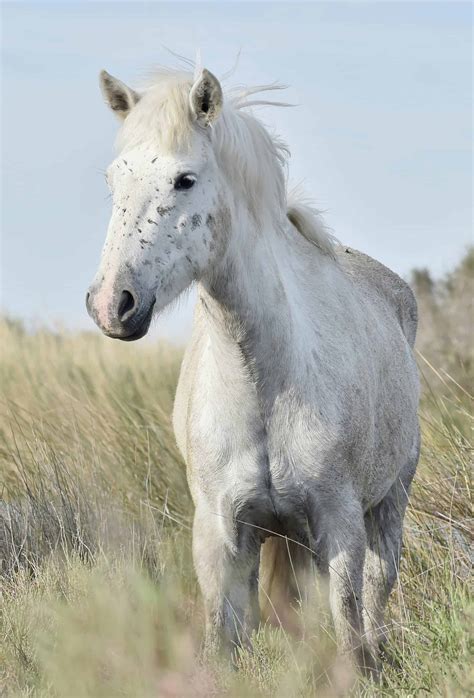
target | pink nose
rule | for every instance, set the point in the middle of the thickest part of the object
(122, 309)
(126, 307)
(110, 308)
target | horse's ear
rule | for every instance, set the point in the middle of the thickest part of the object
(206, 98)
(120, 98)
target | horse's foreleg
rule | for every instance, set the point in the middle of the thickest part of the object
(228, 577)
(252, 619)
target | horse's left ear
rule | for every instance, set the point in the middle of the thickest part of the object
(206, 98)
(120, 98)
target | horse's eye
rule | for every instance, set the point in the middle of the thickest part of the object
(184, 181)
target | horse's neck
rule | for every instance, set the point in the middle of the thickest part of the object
(254, 298)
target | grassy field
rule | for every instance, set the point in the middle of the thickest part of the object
(97, 592)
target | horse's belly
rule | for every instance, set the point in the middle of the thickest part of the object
(313, 459)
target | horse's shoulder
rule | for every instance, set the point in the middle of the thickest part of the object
(365, 270)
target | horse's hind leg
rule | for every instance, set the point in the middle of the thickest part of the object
(383, 525)
(228, 577)
(345, 537)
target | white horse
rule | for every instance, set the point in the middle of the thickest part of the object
(296, 409)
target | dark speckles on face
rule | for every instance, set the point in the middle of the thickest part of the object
(170, 238)
(219, 225)
(163, 210)
(196, 221)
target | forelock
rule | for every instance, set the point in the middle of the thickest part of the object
(162, 115)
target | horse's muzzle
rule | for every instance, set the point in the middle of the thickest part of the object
(120, 312)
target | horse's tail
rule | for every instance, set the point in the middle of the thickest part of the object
(284, 567)
(309, 222)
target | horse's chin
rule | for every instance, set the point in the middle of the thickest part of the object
(129, 337)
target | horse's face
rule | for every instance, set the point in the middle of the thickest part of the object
(169, 220)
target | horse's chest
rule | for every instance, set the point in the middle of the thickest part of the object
(260, 453)
(251, 467)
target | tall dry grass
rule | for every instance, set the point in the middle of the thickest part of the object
(97, 591)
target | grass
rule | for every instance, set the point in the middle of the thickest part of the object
(98, 596)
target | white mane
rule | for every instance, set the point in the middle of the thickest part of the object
(253, 160)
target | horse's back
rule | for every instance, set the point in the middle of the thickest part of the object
(366, 271)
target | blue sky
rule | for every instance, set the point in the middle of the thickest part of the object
(381, 137)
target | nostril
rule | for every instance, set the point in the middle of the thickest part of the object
(126, 305)
(88, 295)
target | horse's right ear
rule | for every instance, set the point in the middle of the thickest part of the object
(120, 98)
